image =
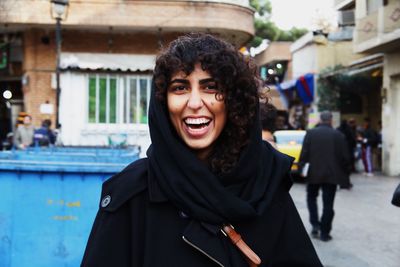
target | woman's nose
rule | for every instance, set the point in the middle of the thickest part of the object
(195, 100)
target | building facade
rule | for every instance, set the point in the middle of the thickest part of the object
(107, 56)
(377, 34)
(378, 31)
(317, 53)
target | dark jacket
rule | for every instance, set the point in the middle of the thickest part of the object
(324, 148)
(137, 226)
(370, 137)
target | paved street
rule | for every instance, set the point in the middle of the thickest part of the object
(366, 227)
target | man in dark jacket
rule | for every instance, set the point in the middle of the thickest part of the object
(324, 148)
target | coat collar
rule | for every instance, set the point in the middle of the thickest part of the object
(121, 187)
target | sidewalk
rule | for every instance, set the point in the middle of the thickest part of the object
(366, 227)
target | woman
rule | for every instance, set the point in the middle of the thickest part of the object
(207, 169)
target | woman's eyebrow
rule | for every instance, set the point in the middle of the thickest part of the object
(203, 81)
(179, 81)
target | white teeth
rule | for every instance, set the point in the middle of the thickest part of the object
(196, 120)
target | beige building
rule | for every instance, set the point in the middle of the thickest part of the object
(317, 53)
(378, 31)
(377, 36)
(107, 56)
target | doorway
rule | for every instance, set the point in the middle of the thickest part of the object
(11, 104)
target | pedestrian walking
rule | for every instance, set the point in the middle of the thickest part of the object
(210, 192)
(324, 148)
(368, 141)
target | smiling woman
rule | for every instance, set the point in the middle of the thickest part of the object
(195, 112)
(207, 168)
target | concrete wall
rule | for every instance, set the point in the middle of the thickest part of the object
(336, 53)
(304, 60)
(276, 51)
(391, 115)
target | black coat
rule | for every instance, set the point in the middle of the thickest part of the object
(324, 148)
(137, 226)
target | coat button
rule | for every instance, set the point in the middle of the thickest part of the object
(105, 201)
(183, 215)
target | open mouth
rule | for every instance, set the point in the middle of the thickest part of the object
(197, 123)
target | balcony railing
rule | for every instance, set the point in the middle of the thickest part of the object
(367, 28)
(229, 18)
(375, 31)
(391, 14)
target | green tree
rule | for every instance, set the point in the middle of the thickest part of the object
(262, 7)
(266, 29)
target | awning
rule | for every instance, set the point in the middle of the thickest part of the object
(359, 66)
(109, 62)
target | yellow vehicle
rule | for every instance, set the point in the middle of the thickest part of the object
(290, 143)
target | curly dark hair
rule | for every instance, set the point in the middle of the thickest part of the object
(268, 114)
(236, 77)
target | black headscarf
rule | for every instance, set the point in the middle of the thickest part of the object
(189, 184)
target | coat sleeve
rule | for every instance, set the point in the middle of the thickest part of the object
(305, 150)
(17, 137)
(294, 248)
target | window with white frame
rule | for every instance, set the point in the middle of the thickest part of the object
(118, 98)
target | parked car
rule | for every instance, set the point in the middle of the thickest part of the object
(290, 143)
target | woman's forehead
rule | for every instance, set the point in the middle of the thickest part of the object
(196, 69)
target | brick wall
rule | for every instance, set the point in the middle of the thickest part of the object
(40, 58)
(39, 64)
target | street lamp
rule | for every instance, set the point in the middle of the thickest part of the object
(59, 11)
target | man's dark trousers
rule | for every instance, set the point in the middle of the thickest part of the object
(328, 197)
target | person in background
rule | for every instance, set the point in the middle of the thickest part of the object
(44, 136)
(325, 149)
(282, 122)
(351, 142)
(354, 155)
(23, 136)
(368, 141)
(268, 115)
(206, 170)
(379, 145)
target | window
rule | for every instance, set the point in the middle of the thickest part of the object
(373, 5)
(118, 99)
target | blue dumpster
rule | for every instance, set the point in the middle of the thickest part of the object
(49, 201)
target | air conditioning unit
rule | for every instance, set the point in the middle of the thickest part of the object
(346, 18)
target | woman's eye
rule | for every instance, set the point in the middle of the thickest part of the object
(178, 88)
(211, 87)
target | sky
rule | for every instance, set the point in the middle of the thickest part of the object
(302, 13)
